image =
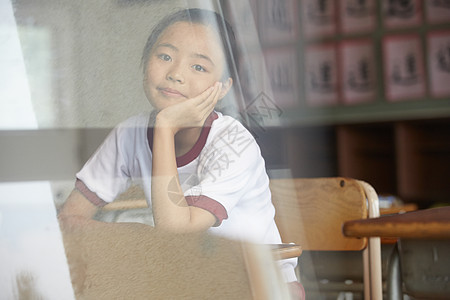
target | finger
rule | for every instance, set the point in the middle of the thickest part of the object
(204, 95)
(204, 103)
(211, 102)
(216, 97)
(219, 91)
(212, 99)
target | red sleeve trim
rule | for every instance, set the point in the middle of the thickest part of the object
(198, 146)
(90, 195)
(210, 205)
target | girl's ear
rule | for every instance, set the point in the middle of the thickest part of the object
(226, 86)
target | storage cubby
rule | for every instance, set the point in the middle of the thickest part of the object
(409, 158)
(312, 151)
(273, 144)
(423, 160)
(306, 151)
(367, 152)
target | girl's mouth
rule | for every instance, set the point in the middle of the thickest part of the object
(170, 92)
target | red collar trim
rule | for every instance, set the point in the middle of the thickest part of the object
(198, 146)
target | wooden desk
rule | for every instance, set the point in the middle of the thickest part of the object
(395, 209)
(431, 223)
(426, 225)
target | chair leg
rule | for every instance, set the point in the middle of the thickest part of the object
(372, 254)
(376, 283)
(366, 274)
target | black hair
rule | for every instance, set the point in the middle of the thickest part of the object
(197, 16)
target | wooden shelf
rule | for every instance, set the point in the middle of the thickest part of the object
(423, 160)
(409, 159)
(367, 152)
(378, 111)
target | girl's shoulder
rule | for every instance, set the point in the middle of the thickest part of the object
(226, 121)
(228, 125)
(229, 133)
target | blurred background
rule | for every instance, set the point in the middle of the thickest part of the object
(328, 88)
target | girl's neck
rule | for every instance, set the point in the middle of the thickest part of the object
(185, 139)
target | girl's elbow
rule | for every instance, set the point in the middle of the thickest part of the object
(179, 227)
(171, 226)
(69, 222)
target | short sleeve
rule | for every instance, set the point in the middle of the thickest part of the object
(231, 168)
(106, 173)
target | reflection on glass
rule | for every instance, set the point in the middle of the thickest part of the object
(16, 111)
(31, 249)
(36, 48)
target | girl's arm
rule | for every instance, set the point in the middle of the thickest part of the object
(76, 211)
(77, 215)
(170, 209)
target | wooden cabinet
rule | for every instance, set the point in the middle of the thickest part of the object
(367, 152)
(423, 160)
(304, 151)
(410, 158)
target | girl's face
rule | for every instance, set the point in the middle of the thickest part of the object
(185, 60)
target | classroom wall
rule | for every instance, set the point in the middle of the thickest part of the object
(80, 76)
(86, 55)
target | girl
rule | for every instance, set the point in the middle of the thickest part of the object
(200, 170)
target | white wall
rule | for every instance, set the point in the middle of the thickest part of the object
(92, 65)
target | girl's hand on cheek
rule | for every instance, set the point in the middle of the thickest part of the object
(191, 112)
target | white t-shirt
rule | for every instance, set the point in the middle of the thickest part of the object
(223, 173)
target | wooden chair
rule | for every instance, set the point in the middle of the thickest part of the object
(310, 213)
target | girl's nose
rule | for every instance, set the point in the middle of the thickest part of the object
(175, 75)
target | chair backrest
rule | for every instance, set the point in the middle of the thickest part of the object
(310, 211)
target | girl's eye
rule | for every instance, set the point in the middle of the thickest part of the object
(198, 68)
(165, 57)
